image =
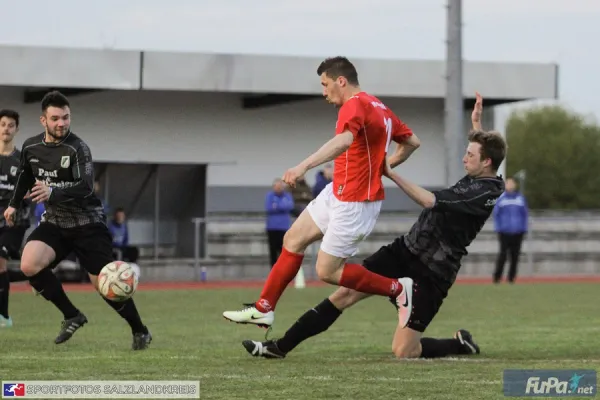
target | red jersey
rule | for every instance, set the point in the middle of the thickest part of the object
(358, 172)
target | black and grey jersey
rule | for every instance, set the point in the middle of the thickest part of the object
(9, 169)
(67, 168)
(441, 235)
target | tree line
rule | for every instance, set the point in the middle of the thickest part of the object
(560, 152)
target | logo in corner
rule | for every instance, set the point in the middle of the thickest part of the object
(13, 390)
(550, 383)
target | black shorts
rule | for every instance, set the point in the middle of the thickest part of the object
(92, 244)
(11, 241)
(396, 261)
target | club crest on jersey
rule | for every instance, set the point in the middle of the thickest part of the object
(65, 162)
(13, 170)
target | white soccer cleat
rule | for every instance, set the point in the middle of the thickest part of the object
(250, 315)
(6, 322)
(404, 301)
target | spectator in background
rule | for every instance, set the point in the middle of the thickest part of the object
(279, 204)
(38, 211)
(324, 178)
(120, 235)
(302, 195)
(511, 217)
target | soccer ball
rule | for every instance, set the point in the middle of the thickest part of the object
(117, 281)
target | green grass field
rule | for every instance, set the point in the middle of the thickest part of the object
(523, 326)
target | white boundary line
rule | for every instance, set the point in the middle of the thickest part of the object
(384, 359)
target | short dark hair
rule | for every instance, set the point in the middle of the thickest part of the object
(12, 114)
(335, 67)
(55, 99)
(493, 146)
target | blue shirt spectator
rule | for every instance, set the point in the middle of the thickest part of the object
(323, 178)
(278, 206)
(118, 229)
(40, 208)
(511, 214)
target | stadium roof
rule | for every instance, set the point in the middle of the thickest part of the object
(41, 67)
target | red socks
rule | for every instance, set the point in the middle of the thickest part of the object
(354, 276)
(283, 272)
(357, 277)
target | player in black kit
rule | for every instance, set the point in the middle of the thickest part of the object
(56, 167)
(430, 253)
(11, 238)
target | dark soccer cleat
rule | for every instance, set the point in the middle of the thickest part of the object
(69, 327)
(466, 339)
(266, 349)
(141, 340)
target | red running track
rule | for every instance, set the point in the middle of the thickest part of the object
(82, 287)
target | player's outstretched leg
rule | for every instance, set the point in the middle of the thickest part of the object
(334, 270)
(461, 344)
(303, 232)
(94, 251)
(38, 258)
(311, 323)
(315, 321)
(128, 311)
(48, 286)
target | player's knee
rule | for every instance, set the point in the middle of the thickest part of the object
(293, 242)
(406, 350)
(31, 266)
(322, 274)
(329, 275)
(36, 256)
(30, 269)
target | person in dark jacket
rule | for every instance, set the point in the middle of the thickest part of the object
(279, 205)
(511, 216)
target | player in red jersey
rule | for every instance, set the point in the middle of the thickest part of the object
(346, 211)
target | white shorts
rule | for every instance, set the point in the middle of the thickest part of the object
(344, 224)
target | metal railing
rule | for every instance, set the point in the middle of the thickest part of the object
(201, 246)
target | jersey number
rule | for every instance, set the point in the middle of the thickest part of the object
(388, 130)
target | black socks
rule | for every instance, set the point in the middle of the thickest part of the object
(313, 322)
(48, 285)
(437, 348)
(129, 312)
(17, 276)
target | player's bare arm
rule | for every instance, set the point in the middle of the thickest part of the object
(404, 150)
(419, 195)
(329, 151)
(477, 112)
